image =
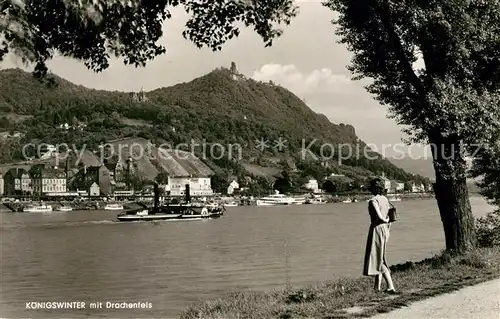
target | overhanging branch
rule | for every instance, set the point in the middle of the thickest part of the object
(395, 41)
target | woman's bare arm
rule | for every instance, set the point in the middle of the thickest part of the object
(379, 214)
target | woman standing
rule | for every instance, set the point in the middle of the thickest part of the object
(378, 235)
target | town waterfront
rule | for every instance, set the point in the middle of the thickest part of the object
(87, 256)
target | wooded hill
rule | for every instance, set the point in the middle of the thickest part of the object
(220, 107)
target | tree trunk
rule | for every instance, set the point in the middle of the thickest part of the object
(452, 197)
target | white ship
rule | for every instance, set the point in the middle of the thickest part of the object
(113, 207)
(38, 209)
(274, 200)
(395, 199)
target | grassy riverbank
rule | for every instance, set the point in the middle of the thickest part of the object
(350, 298)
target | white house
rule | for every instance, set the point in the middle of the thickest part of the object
(387, 183)
(184, 168)
(198, 186)
(166, 187)
(123, 193)
(417, 188)
(312, 184)
(94, 189)
(47, 152)
(232, 187)
(400, 186)
(48, 180)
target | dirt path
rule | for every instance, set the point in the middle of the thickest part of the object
(480, 301)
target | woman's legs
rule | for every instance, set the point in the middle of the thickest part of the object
(388, 279)
(378, 282)
(386, 274)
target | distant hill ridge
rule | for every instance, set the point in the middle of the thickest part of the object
(221, 107)
(421, 166)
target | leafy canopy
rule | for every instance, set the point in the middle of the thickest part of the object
(454, 97)
(486, 166)
(94, 30)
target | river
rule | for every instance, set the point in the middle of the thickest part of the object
(87, 256)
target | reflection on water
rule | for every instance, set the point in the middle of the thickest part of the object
(87, 256)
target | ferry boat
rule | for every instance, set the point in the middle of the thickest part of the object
(38, 209)
(64, 209)
(113, 207)
(182, 211)
(274, 200)
(144, 215)
(172, 212)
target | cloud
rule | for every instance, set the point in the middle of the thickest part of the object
(289, 76)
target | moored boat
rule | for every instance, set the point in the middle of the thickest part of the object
(64, 209)
(275, 200)
(38, 209)
(114, 206)
(231, 204)
(318, 201)
(395, 199)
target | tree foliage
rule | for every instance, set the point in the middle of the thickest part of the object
(458, 43)
(93, 31)
(451, 102)
(329, 187)
(162, 178)
(408, 187)
(219, 183)
(486, 167)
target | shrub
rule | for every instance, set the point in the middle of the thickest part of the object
(488, 229)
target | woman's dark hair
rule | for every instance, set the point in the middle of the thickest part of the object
(377, 186)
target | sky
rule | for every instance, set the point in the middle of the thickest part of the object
(306, 60)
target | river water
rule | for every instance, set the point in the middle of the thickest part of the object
(87, 256)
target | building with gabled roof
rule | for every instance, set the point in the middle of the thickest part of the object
(181, 167)
(17, 181)
(101, 176)
(48, 179)
(387, 182)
